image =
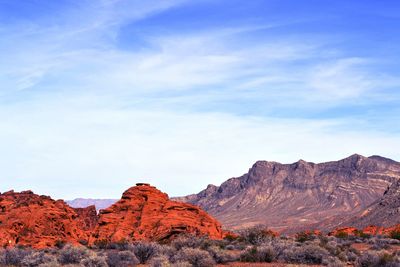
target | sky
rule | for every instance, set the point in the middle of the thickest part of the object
(97, 95)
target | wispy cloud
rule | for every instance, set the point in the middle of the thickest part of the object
(69, 149)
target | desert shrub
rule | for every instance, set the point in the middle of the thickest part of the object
(160, 261)
(258, 254)
(221, 256)
(332, 247)
(13, 256)
(256, 235)
(37, 258)
(145, 251)
(94, 261)
(121, 259)
(280, 246)
(395, 235)
(60, 244)
(379, 244)
(120, 245)
(195, 256)
(72, 255)
(342, 234)
(351, 256)
(311, 254)
(50, 264)
(181, 264)
(231, 237)
(102, 244)
(374, 259)
(393, 241)
(332, 262)
(83, 242)
(230, 247)
(304, 236)
(361, 234)
(190, 241)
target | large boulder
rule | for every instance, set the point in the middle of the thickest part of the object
(145, 213)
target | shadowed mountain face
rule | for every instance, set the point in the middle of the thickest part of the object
(384, 212)
(302, 195)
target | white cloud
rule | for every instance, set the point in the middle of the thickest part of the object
(344, 78)
(83, 148)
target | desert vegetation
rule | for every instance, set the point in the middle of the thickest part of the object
(253, 245)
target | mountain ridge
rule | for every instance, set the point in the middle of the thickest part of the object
(288, 197)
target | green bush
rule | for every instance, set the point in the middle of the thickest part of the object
(342, 235)
(395, 235)
(304, 236)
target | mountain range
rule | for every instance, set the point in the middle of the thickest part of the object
(356, 191)
(86, 202)
(302, 195)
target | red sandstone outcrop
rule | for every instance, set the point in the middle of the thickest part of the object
(38, 221)
(145, 213)
(369, 230)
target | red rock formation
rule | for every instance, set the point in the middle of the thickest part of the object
(38, 221)
(373, 230)
(87, 217)
(369, 230)
(145, 213)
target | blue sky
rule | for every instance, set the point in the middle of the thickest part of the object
(98, 95)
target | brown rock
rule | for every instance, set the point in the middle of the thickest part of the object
(145, 213)
(289, 198)
(384, 212)
(38, 221)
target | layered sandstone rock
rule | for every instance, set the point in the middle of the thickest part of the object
(28, 219)
(145, 213)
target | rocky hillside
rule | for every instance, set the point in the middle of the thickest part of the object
(302, 195)
(385, 212)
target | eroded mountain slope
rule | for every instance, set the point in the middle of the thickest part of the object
(291, 197)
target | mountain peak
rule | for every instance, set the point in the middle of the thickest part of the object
(289, 196)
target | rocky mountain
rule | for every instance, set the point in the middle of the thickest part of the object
(385, 212)
(86, 202)
(31, 220)
(298, 196)
(145, 213)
